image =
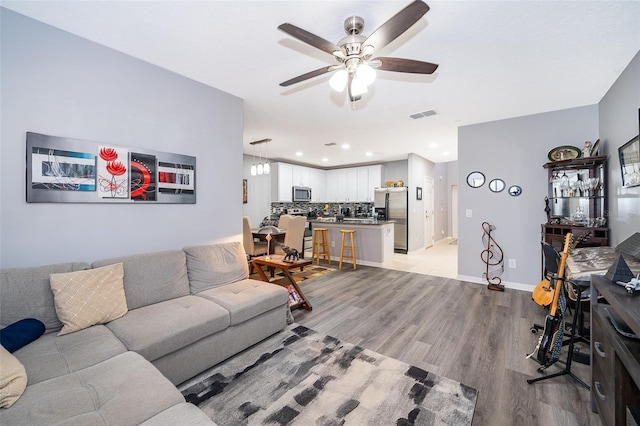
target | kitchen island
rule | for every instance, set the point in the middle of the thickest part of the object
(374, 240)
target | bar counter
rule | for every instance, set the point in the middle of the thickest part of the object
(374, 240)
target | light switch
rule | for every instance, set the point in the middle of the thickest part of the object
(469, 213)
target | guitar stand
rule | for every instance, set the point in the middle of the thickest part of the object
(571, 341)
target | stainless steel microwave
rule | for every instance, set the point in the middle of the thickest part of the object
(301, 193)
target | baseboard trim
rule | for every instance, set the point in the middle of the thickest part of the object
(507, 284)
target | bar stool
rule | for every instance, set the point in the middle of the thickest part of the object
(321, 245)
(351, 248)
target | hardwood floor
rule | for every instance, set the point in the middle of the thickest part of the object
(455, 329)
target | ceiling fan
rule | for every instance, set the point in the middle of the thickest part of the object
(356, 67)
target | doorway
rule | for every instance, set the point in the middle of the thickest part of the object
(454, 211)
(429, 222)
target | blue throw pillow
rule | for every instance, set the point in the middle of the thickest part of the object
(21, 333)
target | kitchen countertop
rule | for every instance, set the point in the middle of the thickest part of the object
(351, 221)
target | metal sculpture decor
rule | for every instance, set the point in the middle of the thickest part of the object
(493, 257)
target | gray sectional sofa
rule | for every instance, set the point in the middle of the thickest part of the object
(188, 310)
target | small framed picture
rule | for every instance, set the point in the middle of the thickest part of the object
(418, 193)
(244, 191)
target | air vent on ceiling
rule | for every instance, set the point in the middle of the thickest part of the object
(417, 115)
(330, 144)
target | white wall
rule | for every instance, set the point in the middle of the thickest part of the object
(59, 84)
(619, 124)
(513, 150)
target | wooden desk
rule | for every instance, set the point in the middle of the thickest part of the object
(615, 359)
(288, 281)
(586, 261)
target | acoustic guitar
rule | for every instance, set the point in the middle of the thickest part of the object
(543, 292)
(550, 342)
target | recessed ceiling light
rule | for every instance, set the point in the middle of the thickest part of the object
(299, 154)
(325, 159)
(369, 154)
(433, 145)
(345, 146)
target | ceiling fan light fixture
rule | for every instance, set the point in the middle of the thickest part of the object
(338, 81)
(358, 87)
(366, 74)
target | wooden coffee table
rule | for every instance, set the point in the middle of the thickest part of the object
(296, 297)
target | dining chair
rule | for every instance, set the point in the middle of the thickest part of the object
(252, 247)
(295, 234)
(283, 222)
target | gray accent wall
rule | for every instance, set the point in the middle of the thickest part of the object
(618, 125)
(58, 84)
(513, 150)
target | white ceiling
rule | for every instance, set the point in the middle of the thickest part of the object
(498, 59)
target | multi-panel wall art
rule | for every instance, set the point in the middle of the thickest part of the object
(63, 170)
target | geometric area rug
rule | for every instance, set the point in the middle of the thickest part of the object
(302, 377)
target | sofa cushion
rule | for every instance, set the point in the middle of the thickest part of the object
(13, 378)
(152, 277)
(247, 299)
(156, 330)
(52, 356)
(123, 390)
(215, 265)
(21, 333)
(26, 293)
(184, 414)
(86, 298)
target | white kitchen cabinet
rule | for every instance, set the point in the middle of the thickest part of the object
(375, 181)
(281, 182)
(336, 185)
(341, 195)
(362, 181)
(301, 176)
(317, 184)
(351, 184)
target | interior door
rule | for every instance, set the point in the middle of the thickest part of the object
(454, 211)
(429, 220)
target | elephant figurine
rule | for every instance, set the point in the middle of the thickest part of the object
(291, 254)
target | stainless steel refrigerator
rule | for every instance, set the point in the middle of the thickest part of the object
(395, 202)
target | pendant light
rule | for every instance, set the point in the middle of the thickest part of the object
(253, 166)
(260, 169)
(267, 168)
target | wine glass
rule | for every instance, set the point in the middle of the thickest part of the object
(564, 184)
(593, 183)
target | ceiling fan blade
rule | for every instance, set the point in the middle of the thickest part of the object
(404, 65)
(397, 24)
(308, 75)
(309, 38)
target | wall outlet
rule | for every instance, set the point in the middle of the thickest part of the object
(512, 263)
(333, 244)
(469, 213)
